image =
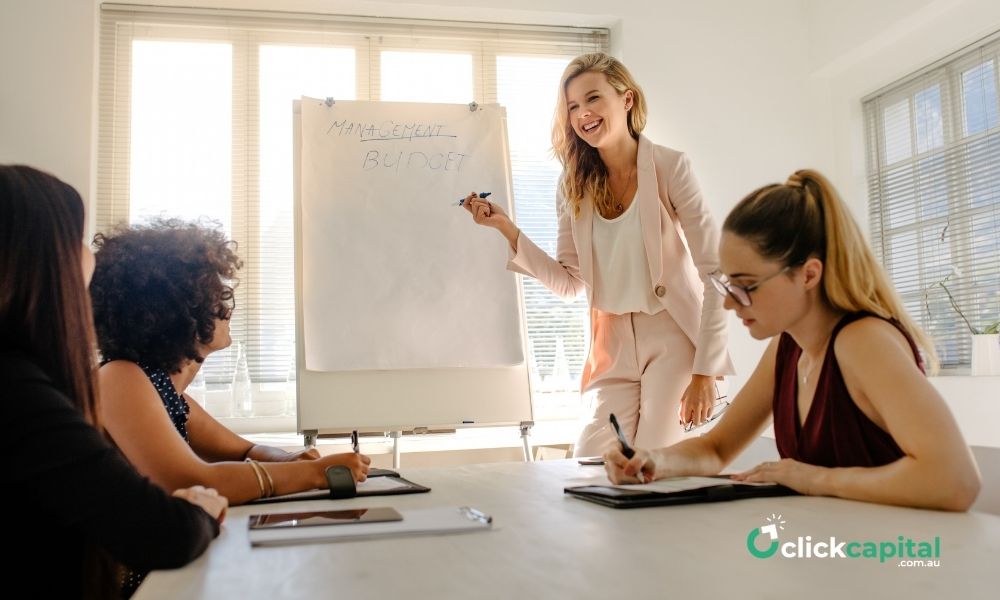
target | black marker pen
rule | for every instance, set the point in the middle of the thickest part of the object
(461, 202)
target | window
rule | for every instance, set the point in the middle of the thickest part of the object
(195, 122)
(934, 187)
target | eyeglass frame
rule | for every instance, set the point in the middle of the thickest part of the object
(690, 426)
(726, 287)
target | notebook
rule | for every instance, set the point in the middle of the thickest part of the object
(341, 484)
(419, 521)
(676, 490)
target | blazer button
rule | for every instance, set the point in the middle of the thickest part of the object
(659, 291)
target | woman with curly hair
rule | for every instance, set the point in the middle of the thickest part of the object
(84, 507)
(161, 305)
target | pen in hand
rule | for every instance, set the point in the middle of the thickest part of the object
(626, 449)
(354, 442)
(461, 201)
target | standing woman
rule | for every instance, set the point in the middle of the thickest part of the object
(78, 506)
(635, 233)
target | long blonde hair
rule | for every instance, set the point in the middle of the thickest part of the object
(805, 217)
(584, 171)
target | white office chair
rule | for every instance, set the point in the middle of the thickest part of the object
(988, 459)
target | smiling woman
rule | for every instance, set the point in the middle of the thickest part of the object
(620, 195)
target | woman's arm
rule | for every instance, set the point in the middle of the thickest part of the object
(135, 418)
(561, 276)
(937, 470)
(214, 443)
(63, 469)
(708, 454)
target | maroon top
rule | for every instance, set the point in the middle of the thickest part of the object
(835, 433)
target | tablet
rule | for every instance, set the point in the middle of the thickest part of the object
(324, 517)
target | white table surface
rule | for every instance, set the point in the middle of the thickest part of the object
(545, 544)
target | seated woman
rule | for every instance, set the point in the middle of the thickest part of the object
(854, 416)
(81, 506)
(161, 305)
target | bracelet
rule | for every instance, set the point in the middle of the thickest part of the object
(256, 471)
(270, 482)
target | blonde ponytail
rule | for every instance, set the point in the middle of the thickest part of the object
(805, 217)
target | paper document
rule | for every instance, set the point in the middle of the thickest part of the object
(381, 484)
(683, 484)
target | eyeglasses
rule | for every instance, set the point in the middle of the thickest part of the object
(720, 406)
(740, 293)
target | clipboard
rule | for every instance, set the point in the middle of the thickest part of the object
(679, 490)
(341, 485)
(421, 521)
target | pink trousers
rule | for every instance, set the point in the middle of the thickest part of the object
(638, 369)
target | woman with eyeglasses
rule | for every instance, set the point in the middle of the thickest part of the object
(842, 379)
(634, 232)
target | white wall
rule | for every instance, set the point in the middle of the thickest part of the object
(48, 87)
(859, 46)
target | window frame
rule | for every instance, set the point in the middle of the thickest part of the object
(248, 33)
(957, 223)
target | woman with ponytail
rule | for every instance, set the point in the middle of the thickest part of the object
(634, 232)
(842, 379)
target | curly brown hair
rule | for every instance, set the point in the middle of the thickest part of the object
(158, 289)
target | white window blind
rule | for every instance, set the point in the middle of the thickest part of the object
(195, 121)
(934, 188)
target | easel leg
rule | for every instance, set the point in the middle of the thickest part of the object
(395, 435)
(525, 431)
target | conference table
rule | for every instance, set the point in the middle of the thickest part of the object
(547, 544)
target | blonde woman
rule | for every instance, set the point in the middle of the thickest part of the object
(635, 234)
(854, 416)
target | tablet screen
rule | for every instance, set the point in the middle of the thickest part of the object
(324, 517)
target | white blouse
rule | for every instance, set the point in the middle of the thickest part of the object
(621, 269)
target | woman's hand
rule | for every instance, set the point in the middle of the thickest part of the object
(357, 463)
(303, 454)
(486, 213)
(697, 401)
(639, 469)
(799, 476)
(207, 498)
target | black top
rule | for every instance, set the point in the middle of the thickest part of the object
(65, 487)
(177, 407)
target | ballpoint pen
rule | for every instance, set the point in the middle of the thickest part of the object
(626, 449)
(461, 201)
(354, 442)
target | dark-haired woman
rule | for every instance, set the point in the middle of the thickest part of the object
(161, 305)
(842, 379)
(80, 507)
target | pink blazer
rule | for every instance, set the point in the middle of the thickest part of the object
(681, 242)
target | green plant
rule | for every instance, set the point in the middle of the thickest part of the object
(993, 327)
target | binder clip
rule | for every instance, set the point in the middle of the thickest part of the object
(475, 515)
